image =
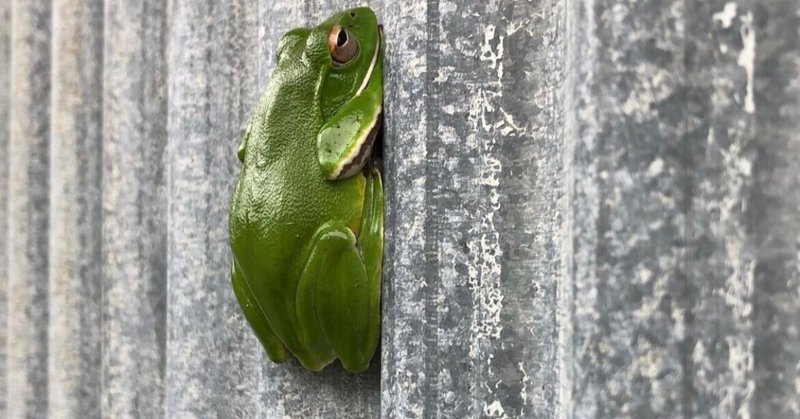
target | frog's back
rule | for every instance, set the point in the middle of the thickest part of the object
(281, 197)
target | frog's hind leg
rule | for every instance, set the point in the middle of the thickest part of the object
(333, 299)
(370, 242)
(258, 322)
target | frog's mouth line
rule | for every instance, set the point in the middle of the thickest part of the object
(371, 68)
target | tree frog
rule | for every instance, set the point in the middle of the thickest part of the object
(306, 216)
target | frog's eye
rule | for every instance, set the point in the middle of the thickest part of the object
(342, 45)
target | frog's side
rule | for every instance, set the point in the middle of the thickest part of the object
(306, 223)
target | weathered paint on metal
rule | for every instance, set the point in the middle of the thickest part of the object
(681, 247)
(474, 196)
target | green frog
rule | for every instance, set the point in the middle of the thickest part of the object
(306, 217)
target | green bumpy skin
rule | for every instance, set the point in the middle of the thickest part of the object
(306, 217)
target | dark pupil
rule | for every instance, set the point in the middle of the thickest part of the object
(341, 39)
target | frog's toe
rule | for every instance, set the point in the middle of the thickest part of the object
(276, 352)
(355, 363)
(311, 363)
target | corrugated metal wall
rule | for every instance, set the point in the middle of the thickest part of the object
(593, 210)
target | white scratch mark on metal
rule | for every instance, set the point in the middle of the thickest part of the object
(747, 59)
(726, 15)
(739, 285)
(511, 124)
(484, 267)
(494, 409)
(656, 167)
(443, 74)
(740, 363)
(492, 55)
(656, 88)
(523, 392)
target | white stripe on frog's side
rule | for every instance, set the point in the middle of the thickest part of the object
(371, 66)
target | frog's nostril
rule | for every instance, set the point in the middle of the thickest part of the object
(352, 14)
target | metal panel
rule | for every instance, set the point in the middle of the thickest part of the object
(631, 290)
(684, 209)
(212, 357)
(593, 210)
(473, 257)
(134, 262)
(28, 167)
(74, 358)
(767, 274)
(5, 68)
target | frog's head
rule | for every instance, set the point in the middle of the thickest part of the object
(347, 51)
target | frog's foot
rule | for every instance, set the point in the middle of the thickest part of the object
(252, 312)
(334, 300)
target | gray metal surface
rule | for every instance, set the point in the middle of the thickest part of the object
(209, 345)
(593, 210)
(27, 237)
(684, 209)
(134, 217)
(5, 56)
(74, 356)
(631, 313)
(474, 185)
